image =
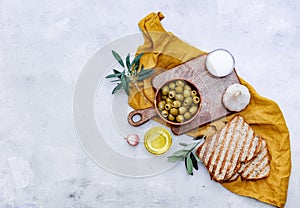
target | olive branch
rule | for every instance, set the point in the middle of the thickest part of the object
(188, 154)
(131, 74)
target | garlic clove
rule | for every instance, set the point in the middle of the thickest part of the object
(236, 97)
(132, 139)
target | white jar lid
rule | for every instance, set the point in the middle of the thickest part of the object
(220, 62)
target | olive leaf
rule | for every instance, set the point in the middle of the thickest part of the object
(115, 80)
(118, 87)
(136, 59)
(116, 74)
(195, 162)
(126, 86)
(180, 153)
(144, 71)
(136, 66)
(189, 165)
(128, 61)
(116, 71)
(190, 146)
(183, 143)
(145, 75)
(112, 76)
(118, 57)
(125, 83)
(174, 158)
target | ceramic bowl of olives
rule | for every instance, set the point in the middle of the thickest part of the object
(178, 101)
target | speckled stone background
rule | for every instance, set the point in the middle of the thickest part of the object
(44, 46)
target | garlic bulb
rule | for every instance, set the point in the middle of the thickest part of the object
(132, 139)
(236, 97)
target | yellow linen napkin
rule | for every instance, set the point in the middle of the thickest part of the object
(163, 51)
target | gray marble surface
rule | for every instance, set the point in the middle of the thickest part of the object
(43, 48)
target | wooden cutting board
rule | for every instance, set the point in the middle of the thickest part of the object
(211, 88)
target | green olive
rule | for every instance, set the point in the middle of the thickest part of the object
(186, 93)
(187, 87)
(187, 101)
(168, 106)
(172, 94)
(172, 85)
(171, 117)
(163, 97)
(165, 90)
(174, 111)
(194, 92)
(179, 89)
(176, 104)
(179, 118)
(169, 100)
(193, 109)
(161, 105)
(164, 113)
(179, 97)
(187, 115)
(196, 99)
(182, 110)
(179, 83)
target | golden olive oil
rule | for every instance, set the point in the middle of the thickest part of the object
(157, 140)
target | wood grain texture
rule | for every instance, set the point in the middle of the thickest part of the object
(211, 88)
(145, 115)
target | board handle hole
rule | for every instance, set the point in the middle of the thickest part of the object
(137, 117)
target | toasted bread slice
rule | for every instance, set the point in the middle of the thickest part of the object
(224, 152)
(252, 151)
(259, 167)
(233, 178)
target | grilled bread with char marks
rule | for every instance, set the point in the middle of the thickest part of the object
(228, 153)
(257, 168)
